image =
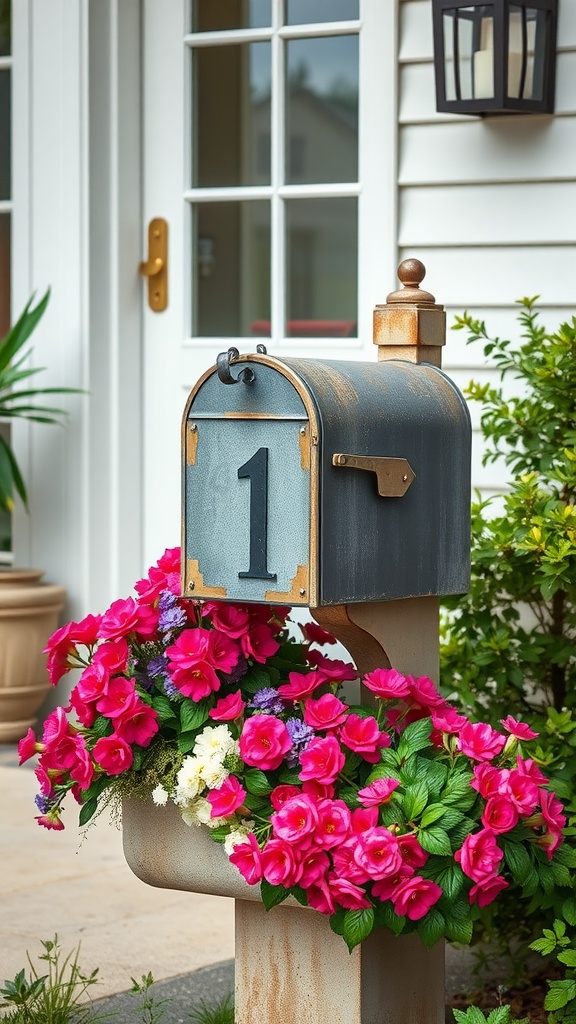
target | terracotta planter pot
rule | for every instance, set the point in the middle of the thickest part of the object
(28, 615)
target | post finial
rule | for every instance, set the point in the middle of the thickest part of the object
(411, 273)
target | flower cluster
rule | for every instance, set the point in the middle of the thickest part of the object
(396, 811)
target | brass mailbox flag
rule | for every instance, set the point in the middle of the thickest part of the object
(394, 475)
(155, 268)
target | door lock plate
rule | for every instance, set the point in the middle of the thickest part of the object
(155, 268)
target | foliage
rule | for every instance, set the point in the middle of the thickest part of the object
(18, 402)
(509, 644)
(52, 998)
(219, 1012)
(395, 812)
(152, 1010)
(500, 1015)
(561, 996)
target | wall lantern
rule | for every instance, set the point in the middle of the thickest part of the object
(495, 58)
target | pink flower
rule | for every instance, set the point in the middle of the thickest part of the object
(378, 792)
(325, 713)
(377, 852)
(387, 683)
(522, 791)
(363, 736)
(424, 692)
(412, 853)
(485, 891)
(138, 724)
(228, 618)
(113, 754)
(499, 815)
(479, 855)
(281, 794)
(320, 897)
(197, 682)
(112, 656)
(27, 747)
(322, 760)
(334, 821)
(227, 798)
(192, 646)
(165, 575)
(51, 819)
(333, 670)
(246, 857)
(447, 719)
(315, 864)
(223, 653)
(387, 888)
(345, 864)
(120, 696)
(530, 768)
(363, 818)
(318, 790)
(280, 863)
(264, 742)
(82, 771)
(316, 635)
(488, 780)
(518, 729)
(229, 708)
(126, 616)
(296, 821)
(347, 894)
(415, 897)
(259, 643)
(60, 650)
(300, 685)
(552, 810)
(480, 741)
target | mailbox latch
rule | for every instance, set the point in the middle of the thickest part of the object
(394, 476)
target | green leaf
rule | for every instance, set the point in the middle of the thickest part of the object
(414, 800)
(416, 736)
(102, 726)
(569, 910)
(272, 895)
(568, 957)
(518, 860)
(472, 1015)
(561, 993)
(193, 716)
(186, 741)
(543, 946)
(87, 810)
(460, 931)
(451, 878)
(357, 926)
(432, 814)
(431, 927)
(336, 921)
(435, 840)
(256, 782)
(163, 708)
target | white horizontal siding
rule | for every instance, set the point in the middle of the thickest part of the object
(466, 361)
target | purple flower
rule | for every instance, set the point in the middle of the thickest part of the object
(169, 689)
(157, 666)
(42, 803)
(268, 700)
(237, 673)
(171, 618)
(300, 734)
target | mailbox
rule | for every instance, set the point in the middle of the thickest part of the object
(321, 482)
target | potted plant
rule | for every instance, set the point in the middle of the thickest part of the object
(28, 609)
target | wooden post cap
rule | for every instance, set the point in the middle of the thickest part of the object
(410, 325)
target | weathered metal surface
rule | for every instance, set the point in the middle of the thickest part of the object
(393, 476)
(292, 969)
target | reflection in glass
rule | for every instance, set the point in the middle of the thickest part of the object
(526, 25)
(5, 134)
(460, 31)
(232, 115)
(322, 267)
(5, 28)
(217, 15)
(322, 110)
(232, 269)
(4, 273)
(306, 12)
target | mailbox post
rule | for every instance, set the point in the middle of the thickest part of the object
(343, 487)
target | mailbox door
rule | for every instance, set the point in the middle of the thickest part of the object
(247, 492)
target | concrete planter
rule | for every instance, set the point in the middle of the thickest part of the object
(28, 615)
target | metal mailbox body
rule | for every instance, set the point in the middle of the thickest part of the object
(269, 518)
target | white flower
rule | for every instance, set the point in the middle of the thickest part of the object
(200, 813)
(237, 835)
(214, 773)
(189, 782)
(214, 741)
(160, 796)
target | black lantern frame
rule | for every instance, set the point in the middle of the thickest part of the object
(495, 58)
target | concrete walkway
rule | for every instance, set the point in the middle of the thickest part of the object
(83, 890)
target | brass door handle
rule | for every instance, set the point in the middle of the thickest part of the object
(155, 268)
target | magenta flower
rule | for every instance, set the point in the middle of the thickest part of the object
(315, 864)
(197, 682)
(119, 697)
(530, 768)
(363, 818)
(485, 891)
(27, 746)
(447, 719)
(347, 894)
(281, 794)
(296, 821)
(325, 713)
(412, 853)
(61, 648)
(479, 856)
(281, 863)
(316, 635)
(112, 656)
(415, 897)
(259, 643)
(82, 771)
(229, 708)
(518, 729)
(387, 683)
(522, 791)
(322, 760)
(113, 754)
(300, 685)
(138, 724)
(363, 736)
(345, 864)
(499, 815)
(480, 741)
(226, 800)
(228, 618)
(264, 742)
(332, 670)
(378, 792)
(424, 692)
(246, 857)
(334, 823)
(223, 653)
(127, 616)
(320, 898)
(377, 852)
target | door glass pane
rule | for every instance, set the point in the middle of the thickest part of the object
(217, 15)
(322, 258)
(5, 28)
(322, 110)
(232, 115)
(5, 148)
(305, 12)
(232, 274)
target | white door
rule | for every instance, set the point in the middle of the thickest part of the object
(269, 147)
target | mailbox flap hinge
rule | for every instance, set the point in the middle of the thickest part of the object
(394, 475)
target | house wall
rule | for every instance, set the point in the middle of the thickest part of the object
(488, 204)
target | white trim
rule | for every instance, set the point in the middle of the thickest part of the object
(257, 35)
(235, 193)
